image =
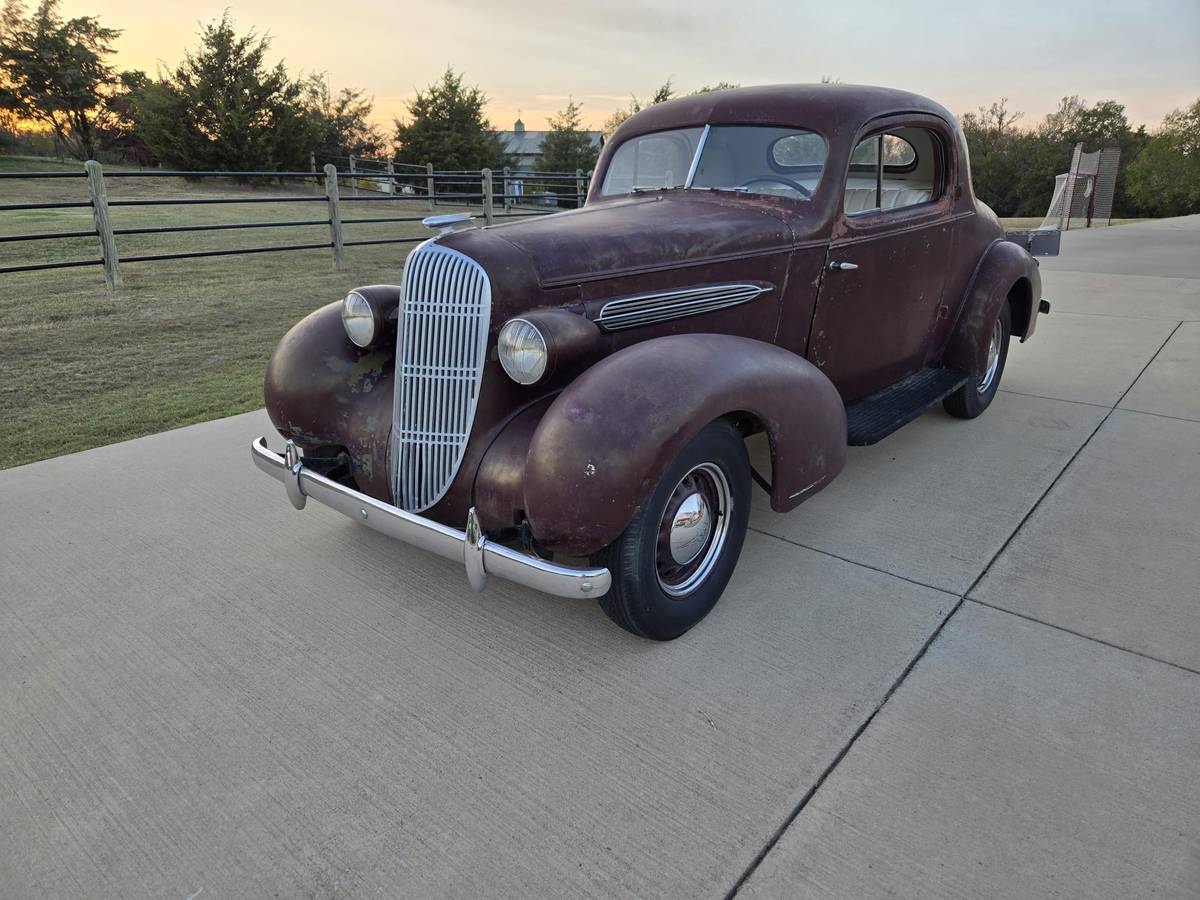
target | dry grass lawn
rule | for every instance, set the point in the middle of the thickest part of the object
(183, 341)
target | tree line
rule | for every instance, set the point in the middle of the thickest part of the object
(1013, 168)
(225, 107)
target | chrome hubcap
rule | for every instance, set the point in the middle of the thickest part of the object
(993, 358)
(692, 532)
(689, 531)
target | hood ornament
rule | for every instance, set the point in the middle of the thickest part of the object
(445, 224)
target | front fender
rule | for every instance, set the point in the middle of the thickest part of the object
(320, 389)
(606, 440)
(1005, 269)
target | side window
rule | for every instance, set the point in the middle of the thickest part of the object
(894, 170)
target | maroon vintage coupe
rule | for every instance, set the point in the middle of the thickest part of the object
(564, 401)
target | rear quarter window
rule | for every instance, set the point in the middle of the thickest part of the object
(798, 151)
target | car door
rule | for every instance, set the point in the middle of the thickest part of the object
(881, 288)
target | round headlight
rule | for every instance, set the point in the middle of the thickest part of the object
(358, 319)
(522, 351)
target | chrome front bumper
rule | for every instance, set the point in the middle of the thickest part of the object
(478, 555)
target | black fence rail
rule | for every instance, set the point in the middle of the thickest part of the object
(560, 190)
(379, 181)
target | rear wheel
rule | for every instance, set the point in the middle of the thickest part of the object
(671, 564)
(975, 396)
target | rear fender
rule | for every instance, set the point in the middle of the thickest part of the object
(1006, 271)
(602, 446)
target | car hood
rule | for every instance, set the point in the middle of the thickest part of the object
(625, 236)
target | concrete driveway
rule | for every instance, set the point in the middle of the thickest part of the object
(970, 668)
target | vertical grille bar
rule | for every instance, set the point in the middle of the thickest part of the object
(439, 365)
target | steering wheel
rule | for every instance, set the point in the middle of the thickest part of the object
(779, 179)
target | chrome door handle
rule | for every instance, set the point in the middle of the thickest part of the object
(834, 264)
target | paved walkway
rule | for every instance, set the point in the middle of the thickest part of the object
(991, 690)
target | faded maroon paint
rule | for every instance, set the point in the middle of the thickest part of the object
(602, 446)
(1004, 266)
(521, 288)
(922, 296)
(874, 324)
(640, 236)
(321, 390)
(500, 482)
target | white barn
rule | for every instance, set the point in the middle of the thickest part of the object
(525, 147)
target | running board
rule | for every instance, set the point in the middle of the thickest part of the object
(873, 418)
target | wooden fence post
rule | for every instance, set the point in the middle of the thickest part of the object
(312, 167)
(507, 192)
(578, 188)
(391, 182)
(429, 184)
(108, 244)
(488, 211)
(335, 215)
(353, 180)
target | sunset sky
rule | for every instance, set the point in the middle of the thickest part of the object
(530, 56)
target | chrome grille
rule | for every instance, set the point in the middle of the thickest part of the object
(439, 365)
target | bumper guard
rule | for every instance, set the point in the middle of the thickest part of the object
(478, 555)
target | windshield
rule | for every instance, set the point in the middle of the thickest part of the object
(784, 162)
(660, 160)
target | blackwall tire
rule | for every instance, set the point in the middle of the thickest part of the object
(671, 564)
(977, 394)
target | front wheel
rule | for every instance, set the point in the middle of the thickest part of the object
(671, 564)
(975, 396)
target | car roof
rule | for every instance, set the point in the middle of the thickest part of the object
(832, 109)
